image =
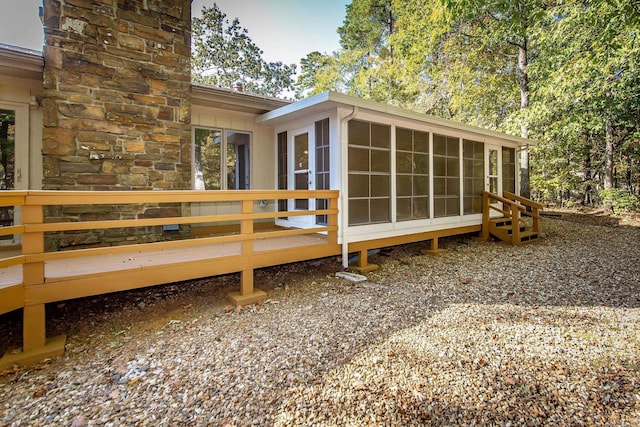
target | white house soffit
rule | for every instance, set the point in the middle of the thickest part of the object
(312, 104)
(19, 62)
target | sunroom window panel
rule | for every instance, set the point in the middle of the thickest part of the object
(439, 166)
(403, 209)
(403, 139)
(439, 187)
(380, 186)
(358, 211)
(358, 159)
(369, 158)
(404, 162)
(380, 161)
(473, 158)
(453, 206)
(446, 181)
(380, 136)
(421, 207)
(412, 173)
(404, 186)
(421, 142)
(439, 145)
(420, 185)
(359, 133)
(358, 185)
(380, 210)
(421, 163)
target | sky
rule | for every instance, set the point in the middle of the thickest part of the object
(286, 30)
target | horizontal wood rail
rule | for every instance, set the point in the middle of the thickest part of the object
(48, 276)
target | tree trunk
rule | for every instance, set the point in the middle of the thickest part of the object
(523, 79)
(587, 199)
(608, 155)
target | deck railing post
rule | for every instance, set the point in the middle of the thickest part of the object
(33, 330)
(535, 226)
(333, 221)
(246, 229)
(515, 224)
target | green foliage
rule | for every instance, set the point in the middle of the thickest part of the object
(565, 73)
(224, 54)
(620, 200)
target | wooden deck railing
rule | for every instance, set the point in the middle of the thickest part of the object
(532, 209)
(512, 209)
(35, 288)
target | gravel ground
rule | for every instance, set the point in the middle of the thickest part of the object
(543, 334)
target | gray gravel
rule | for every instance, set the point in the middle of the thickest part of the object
(543, 334)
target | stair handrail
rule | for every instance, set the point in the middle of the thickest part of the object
(535, 208)
(511, 210)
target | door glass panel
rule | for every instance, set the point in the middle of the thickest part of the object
(301, 167)
(301, 150)
(493, 170)
(237, 160)
(7, 164)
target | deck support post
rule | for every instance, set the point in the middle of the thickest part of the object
(362, 265)
(35, 345)
(247, 295)
(433, 248)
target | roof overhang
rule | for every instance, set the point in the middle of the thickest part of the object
(328, 100)
(22, 63)
(227, 99)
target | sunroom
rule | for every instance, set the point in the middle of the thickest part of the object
(399, 173)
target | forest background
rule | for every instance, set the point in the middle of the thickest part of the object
(565, 74)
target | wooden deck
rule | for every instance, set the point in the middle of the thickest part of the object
(33, 277)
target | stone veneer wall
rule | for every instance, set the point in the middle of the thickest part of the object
(116, 109)
(116, 104)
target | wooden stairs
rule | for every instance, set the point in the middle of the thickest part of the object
(519, 220)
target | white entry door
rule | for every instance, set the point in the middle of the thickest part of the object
(493, 166)
(301, 174)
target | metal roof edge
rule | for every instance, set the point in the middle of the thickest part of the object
(233, 97)
(353, 101)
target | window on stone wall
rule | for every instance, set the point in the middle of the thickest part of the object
(412, 174)
(473, 171)
(509, 169)
(369, 168)
(221, 159)
(446, 176)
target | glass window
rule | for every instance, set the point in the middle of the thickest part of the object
(446, 176)
(473, 161)
(509, 169)
(369, 164)
(221, 159)
(7, 164)
(412, 174)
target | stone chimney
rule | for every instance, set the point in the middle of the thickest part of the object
(117, 94)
